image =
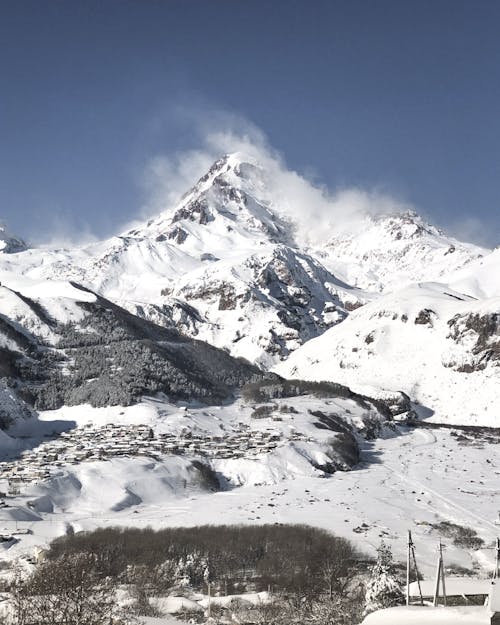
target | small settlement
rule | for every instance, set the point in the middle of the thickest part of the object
(91, 443)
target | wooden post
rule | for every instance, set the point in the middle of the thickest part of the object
(209, 606)
(417, 574)
(442, 572)
(438, 577)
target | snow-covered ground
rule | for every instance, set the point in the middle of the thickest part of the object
(415, 615)
(410, 480)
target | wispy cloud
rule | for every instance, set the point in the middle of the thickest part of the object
(62, 230)
(313, 207)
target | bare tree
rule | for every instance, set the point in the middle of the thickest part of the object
(66, 591)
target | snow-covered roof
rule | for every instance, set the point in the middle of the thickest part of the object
(440, 615)
(455, 586)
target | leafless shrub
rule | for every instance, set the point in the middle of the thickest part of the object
(461, 536)
(261, 412)
(66, 591)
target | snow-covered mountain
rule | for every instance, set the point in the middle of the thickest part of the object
(229, 266)
(9, 244)
(387, 252)
(124, 366)
(211, 266)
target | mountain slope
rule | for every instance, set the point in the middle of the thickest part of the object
(260, 305)
(479, 278)
(222, 248)
(81, 348)
(438, 346)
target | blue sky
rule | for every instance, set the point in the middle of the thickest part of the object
(400, 96)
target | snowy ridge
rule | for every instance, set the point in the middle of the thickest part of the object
(259, 305)
(387, 252)
(479, 278)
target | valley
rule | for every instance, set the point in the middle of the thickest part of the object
(417, 479)
(151, 378)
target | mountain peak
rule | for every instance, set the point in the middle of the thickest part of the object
(237, 162)
(407, 224)
(231, 201)
(10, 244)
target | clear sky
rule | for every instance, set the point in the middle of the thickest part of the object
(399, 95)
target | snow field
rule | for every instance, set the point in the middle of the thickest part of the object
(411, 480)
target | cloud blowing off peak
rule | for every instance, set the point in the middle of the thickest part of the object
(312, 207)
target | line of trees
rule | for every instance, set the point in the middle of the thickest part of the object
(111, 575)
(300, 560)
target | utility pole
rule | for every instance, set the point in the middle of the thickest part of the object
(440, 577)
(442, 572)
(497, 559)
(408, 555)
(411, 557)
(417, 574)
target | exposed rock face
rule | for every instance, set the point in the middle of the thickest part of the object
(291, 295)
(482, 333)
(424, 317)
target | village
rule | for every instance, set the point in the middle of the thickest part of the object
(93, 443)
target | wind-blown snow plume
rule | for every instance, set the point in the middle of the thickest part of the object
(314, 208)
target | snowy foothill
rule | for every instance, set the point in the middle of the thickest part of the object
(107, 464)
(421, 340)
